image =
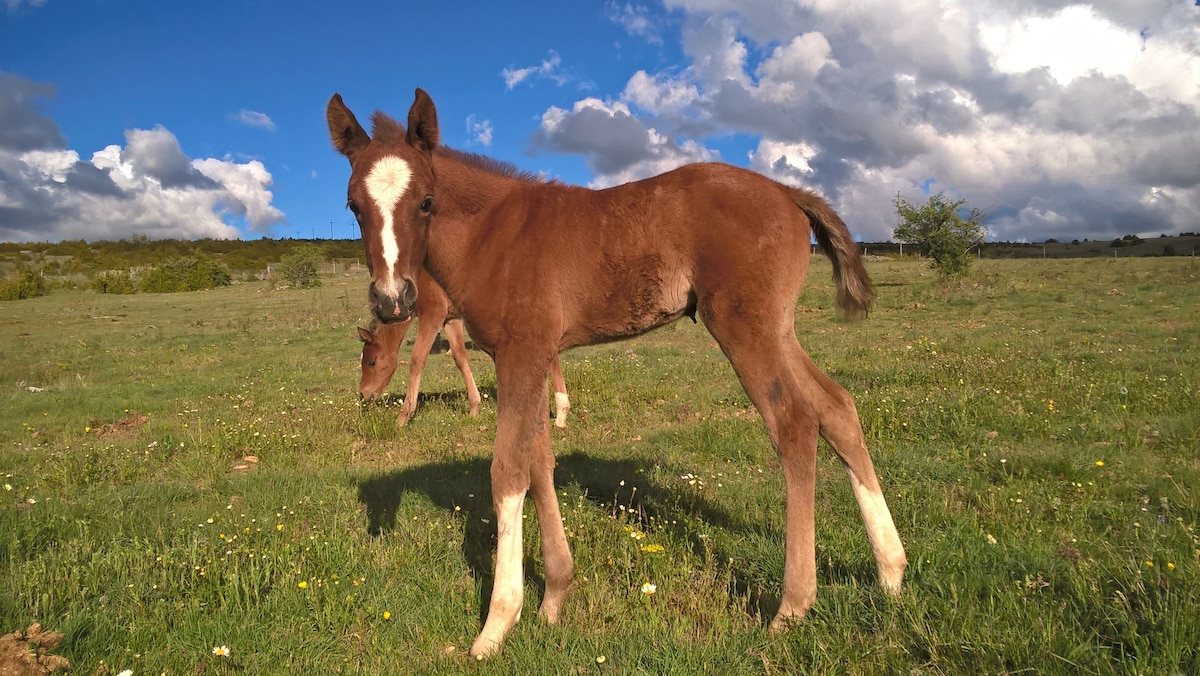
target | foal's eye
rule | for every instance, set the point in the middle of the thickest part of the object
(352, 207)
(427, 205)
(371, 363)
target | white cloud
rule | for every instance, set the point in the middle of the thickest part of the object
(547, 69)
(792, 69)
(636, 20)
(716, 52)
(784, 162)
(253, 118)
(245, 191)
(1069, 44)
(660, 95)
(480, 131)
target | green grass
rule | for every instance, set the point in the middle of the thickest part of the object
(1035, 429)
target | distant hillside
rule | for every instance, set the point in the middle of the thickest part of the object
(239, 255)
(1187, 244)
(75, 263)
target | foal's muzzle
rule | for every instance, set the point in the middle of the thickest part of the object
(388, 308)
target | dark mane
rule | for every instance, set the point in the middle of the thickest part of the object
(492, 165)
(385, 129)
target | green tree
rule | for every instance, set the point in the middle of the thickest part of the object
(301, 267)
(940, 232)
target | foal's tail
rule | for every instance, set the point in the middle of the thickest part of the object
(854, 293)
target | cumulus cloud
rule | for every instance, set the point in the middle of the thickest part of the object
(547, 69)
(253, 118)
(1066, 119)
(616, 146)
(148, 186)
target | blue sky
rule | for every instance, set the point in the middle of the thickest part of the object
(120, 117)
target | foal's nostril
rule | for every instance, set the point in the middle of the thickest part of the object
(410, 292)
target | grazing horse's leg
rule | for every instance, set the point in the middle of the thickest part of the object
(562, 403)
(522, 442)
(458, 349)
(428, 324)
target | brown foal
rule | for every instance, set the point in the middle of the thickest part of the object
(536, 268)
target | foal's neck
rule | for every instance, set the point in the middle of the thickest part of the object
(465, 193)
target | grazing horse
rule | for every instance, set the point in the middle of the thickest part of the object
(381, 347)
(535, 268)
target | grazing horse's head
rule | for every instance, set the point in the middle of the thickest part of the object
(379, 361)
(391, 194)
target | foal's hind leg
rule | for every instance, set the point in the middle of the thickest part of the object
(458, 349)
(562, 403)
(797, 401)
(840, 426)
(556, 554)
(766, 372)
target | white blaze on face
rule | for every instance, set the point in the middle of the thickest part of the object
(386, 184)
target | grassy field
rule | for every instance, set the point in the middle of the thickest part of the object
(183, 472)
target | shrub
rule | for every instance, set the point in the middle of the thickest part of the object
(301, 267)
(23, 282)
(114, 281)
(186, 273)
(940, 231)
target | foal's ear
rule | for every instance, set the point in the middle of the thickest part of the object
(422, 123)
(348, 135)
(365, 335)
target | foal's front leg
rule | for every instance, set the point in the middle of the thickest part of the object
(522, 460)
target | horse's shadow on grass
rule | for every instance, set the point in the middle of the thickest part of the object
(465, 486)
(453, 399)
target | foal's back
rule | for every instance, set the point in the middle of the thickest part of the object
(608, 264)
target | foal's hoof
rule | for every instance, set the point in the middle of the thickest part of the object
(483, 649)
(784, 621)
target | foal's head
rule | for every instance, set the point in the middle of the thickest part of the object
(391, 194)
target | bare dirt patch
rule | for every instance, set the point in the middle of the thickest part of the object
(27, 653)
(125, 427)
